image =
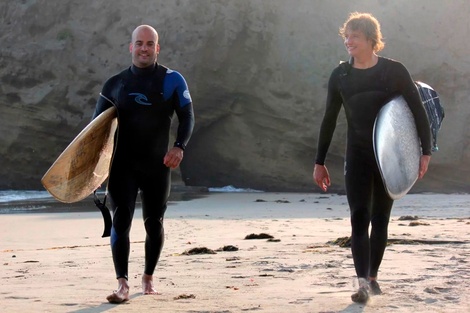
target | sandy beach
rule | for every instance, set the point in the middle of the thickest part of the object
(58, 262)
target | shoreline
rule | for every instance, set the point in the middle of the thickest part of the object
(303, 204)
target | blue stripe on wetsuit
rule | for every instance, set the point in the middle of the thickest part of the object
(175, 81)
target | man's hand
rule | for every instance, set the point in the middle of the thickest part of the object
(321, 176)
(423, 165)
(173, 157)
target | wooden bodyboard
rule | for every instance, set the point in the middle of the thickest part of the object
(84, 165)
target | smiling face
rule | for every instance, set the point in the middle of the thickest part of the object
(360, 32)
(357, 44)
(144, 46)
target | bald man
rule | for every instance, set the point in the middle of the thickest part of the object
(146, 95)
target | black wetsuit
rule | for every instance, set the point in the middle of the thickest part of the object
(363, 92)
(146, 100)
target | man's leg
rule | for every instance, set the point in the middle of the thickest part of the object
(122, 195)
(154, 193)
(359, 187)
(381, 209)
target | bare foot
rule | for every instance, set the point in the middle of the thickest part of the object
(362, 295)
(375, 288)
(147, 285)
(121, 294)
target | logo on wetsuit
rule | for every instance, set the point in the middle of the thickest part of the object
(140, 98)
(187, 95)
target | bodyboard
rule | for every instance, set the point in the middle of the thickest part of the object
(84, 165)
(397, 147)
(434, 109)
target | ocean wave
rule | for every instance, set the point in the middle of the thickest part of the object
(231, 188)
(22, 195)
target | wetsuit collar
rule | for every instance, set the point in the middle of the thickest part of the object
(143, 71)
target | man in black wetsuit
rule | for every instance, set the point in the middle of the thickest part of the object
(146, 95)
(363, 88)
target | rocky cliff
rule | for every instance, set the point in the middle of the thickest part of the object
(257, 72)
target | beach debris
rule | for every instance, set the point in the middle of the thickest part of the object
(402, 242)
(419, 224)
(185, 296)
(317, 246)
(240, 276)
(425, 242)
(318, 249)
(199, 250)
(232, 287)
(259, 236)
(273, 240)
(408, 218)
(277, 201)
(343, 242)
(229, 248)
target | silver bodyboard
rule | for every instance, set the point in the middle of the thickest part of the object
(397, 147)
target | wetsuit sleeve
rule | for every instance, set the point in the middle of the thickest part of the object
(176, 85)
(103, 104)
(408, 89)
(328, 125)
(186, 124)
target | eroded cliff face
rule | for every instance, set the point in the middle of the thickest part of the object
(257, 72)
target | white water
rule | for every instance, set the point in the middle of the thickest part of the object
(231, 188)
(25, 195)
(21, 195)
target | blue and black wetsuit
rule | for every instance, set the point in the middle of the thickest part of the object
(363, 92)
(146, 99)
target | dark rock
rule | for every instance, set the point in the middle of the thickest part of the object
(258, 104)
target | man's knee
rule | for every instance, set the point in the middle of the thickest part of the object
(360, 222)
(380, 221)
(122, 220)
(154, 227)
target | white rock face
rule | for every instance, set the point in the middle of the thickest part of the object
(257, 72)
